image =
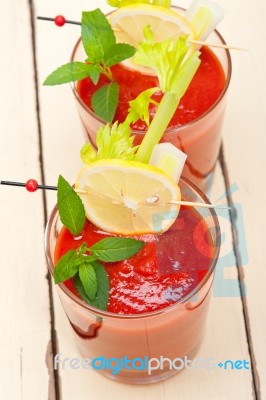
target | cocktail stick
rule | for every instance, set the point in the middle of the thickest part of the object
(32, 185)
(192, 41)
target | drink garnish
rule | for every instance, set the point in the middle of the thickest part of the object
(104, 48)
(84, 265)
(102, 52)
(113, 141)
(114, 194)
(175, 68)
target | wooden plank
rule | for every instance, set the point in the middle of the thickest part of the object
(24, 306)
(244, 134)
(225, 332)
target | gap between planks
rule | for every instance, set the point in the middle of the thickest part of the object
(241, 277)
(54, 348)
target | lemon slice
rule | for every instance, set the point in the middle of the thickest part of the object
(127, 197)
(128, 23)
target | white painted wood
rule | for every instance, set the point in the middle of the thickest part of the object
(24, 305)
(225, 335)
(245, 147)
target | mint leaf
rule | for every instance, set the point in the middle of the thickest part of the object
(70, 207)
(71, 72)
(97, 34)
(88, 278)
(104, 101)
(116, 249)
(117, 53)
(66, 268)
(101, 299)
(103, 286)
(80, 289)
(95, 73)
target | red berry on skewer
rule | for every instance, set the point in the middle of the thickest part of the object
(31, 185)
(59, 20)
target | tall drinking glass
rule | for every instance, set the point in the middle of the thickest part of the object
(174, 332)
(199, 139)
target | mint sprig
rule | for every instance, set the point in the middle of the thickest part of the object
(90, 277)
(102, 52)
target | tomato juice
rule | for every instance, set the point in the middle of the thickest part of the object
(168, 267)
(204, 90)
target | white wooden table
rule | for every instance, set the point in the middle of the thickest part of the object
(40, 134)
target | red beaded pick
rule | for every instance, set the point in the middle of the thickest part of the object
(59, 20)
(31, 185)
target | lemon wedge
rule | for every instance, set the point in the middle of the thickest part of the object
(128, 23)
(126, 197)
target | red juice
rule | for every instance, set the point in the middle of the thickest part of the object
(165, 270)
(204, 90)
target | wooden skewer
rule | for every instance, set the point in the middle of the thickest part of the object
(222, 46)
(200, 42)
(196, 204)
(31, 185)
(177, 202)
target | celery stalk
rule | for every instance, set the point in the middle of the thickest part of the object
(166, 109)
(158, 126)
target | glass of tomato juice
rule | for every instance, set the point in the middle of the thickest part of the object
(147, 334)
(196, 127)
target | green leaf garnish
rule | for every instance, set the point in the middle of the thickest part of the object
(97, 35)
(116, 249)
(164, 57)
(70, 207)
(66, 267)
(80, 289)
(102, 51)
(102, 295)
(88, 278)
(139, 107)
(71, 72)
(112, 142)
(104, 101)
(118, 52)
(103, 286)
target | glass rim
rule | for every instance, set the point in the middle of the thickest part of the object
(171, 129)
(101, 313)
